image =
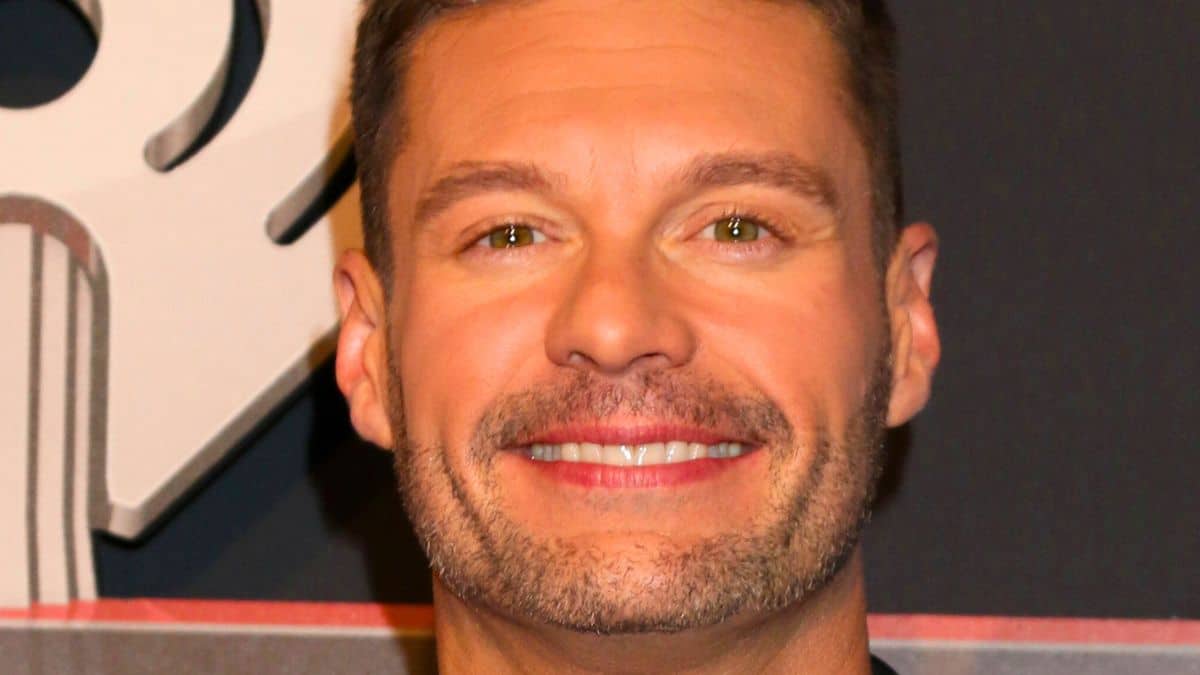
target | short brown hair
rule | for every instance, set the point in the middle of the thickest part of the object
(388, 28)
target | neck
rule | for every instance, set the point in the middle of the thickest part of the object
(825, 634)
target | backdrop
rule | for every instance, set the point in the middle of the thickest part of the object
(1055, 147)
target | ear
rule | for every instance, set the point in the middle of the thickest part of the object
(916, 347)
(362, 367)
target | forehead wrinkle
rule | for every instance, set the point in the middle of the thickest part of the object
(633, 82)
(450, 35)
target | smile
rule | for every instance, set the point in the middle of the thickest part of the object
(646, 454)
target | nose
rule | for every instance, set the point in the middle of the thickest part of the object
(619, 318)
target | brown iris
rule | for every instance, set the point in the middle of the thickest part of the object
(510, 236)
(735, 229)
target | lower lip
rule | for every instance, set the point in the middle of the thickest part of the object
(637, 477)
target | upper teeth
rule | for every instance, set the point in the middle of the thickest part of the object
(631, 455)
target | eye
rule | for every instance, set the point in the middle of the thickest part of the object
(736, 229)
(513, 235)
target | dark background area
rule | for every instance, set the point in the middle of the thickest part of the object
(1055, 472)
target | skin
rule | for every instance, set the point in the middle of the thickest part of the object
(613, 101)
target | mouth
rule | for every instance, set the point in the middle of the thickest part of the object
(634, 455)
(642, 454)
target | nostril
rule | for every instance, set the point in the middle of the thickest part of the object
(618, 363)
(579, 360)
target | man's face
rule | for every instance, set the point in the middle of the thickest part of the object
(623, 232)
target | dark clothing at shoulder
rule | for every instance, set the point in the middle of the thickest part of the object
(880, 668)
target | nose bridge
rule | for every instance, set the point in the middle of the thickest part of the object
(616, 282)
(616, 315)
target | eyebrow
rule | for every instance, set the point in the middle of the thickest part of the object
(774, 169)
(468, 179)
(779, 170)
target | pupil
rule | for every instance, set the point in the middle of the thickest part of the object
(509, 236)
(734, 228)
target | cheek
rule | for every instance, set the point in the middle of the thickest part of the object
(459, 346)
(805, 335)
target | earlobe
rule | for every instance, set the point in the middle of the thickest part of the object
(361, 367)
(916, 347)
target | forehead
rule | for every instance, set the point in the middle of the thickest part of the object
(635, 82)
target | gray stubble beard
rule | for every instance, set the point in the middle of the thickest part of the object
(485, 558)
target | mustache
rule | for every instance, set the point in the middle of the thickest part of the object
(664, 396)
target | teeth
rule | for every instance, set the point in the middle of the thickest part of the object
(648, 454)
(656, 453)
(591, 452)
(617, 455)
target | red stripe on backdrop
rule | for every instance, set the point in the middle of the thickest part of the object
(1031, 629)
(420, 618)
(234, 613)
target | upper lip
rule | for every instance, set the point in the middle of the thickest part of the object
(632, 432)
